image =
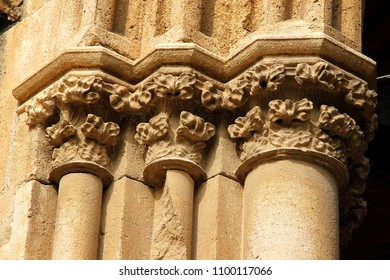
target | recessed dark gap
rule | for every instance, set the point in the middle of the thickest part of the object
(371, 241)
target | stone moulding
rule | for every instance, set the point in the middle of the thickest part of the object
(222, 68)
(289, 127)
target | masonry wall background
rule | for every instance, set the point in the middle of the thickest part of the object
(176, 197)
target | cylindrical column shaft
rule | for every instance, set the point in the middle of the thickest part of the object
(290, 212)
(172, 233)
(78, 217)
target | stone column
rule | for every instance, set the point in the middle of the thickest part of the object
(78, 217)
(291, 211)
(174, 152)
(81, 143)
(290, 73)
(173, 214)
(173, 168)
(295, 161)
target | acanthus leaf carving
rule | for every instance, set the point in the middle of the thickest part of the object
(264, 78)
(371, 127)
(336, 123)
(230, 98)
(323, 143)
(360, 96)
(244, 127)
(288, 113)
(78, 90)
(194, 128)
(123, 100)
(40, 110)
(187, 142)
(65, 153)
(60, 132)
(288, 124)
(103, 133)
(167, 85)
(343, 126)
(90, 150)
(155, 130)
(290, 138)
(76, 135)
(70, 145)
(321, 74)
(192, 152)
(353, 206)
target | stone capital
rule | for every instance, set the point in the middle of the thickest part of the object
(72, 111)
(170, 147)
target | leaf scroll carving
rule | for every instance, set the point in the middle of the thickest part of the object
(264, 78)
(288, 113)
(79, 90)
(123, 100)
(181, 87)
(187, 140)
(337, 124)
(320, 73)
(230, 98)
(103, 133)
(360, 96)
(38, 111)
(155, 130)
(61, 132)
(244, 127)
(194, 128)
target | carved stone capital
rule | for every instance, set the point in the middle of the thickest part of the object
(174, 148)
(294, 125)
(72, 111)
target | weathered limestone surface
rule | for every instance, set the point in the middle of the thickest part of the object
(127, 221)
(183, 129)
(31, 224)
(290, 212)
(216, 234)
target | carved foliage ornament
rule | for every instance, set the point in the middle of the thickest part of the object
(288, 124)
(187, 140)
(188, 85)
(77, 134)
(263, 78)
(320, 74)
(355, 92)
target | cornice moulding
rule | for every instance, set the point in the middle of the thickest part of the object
(320, 46)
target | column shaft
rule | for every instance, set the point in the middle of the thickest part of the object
(78, 217)
(290, 212)
(172, 233)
